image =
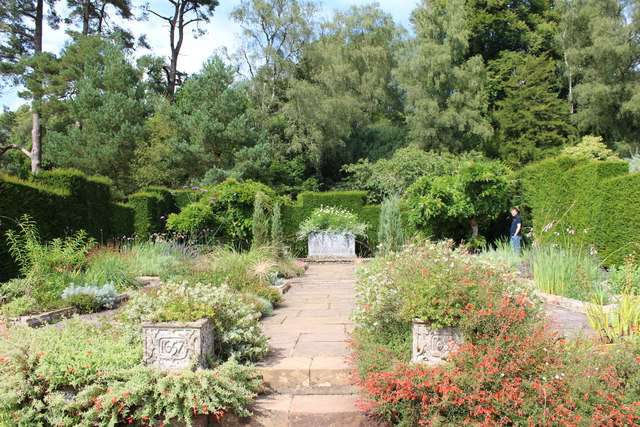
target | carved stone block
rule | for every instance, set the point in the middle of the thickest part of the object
(173, 345)
(432, 346)
(332, 245)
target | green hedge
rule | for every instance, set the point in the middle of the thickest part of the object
(307, 202)
(585, 201)
(63, 201)
(618, 218)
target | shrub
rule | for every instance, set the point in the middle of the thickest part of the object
(104, 296)
(626, 277)
(83, 375)
(259, 222)
(108, 264)
(237, 331)
(566, 271)
(390, 230)
(510, 370)
(277, 235)
(330, 219)
(85, 303)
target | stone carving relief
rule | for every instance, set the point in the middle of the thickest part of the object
(434, 346)
(173, 345)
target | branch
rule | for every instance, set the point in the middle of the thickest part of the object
(14, 147)
(160, 16)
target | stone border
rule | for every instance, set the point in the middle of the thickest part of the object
(569, 303)
(40, 319)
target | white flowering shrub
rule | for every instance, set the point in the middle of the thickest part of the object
(104, 295)
(237, 331)
(330, 219)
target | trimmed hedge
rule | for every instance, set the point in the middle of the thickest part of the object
(354, 201)
(588, 203)
(63, 201)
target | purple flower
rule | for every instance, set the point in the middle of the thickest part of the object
(195, 188)
(163, 217)
(205, 190)
(223, 219)
(213, 198)
(185, 187)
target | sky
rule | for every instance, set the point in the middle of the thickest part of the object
(221, 32)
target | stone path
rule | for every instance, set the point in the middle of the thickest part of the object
(306, 368)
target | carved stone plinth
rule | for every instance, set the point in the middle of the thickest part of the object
(173, 345)
(332, 245)
(433, 346)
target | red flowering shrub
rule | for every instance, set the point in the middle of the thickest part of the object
(511, 370)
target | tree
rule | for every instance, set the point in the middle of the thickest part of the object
(605, 54)
(22, 61)
(92, 15)
(477, 192)
(532, 121)
(202, 131)
(526, 26)
(387, 178)
(346, 88)
(274, 34)
(107, 112)
(185, 13)
(446, 96)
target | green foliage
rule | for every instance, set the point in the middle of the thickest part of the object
(392, 177)
(390, 230)
(277, 235)
(353, 201)
(39, 260)
(244, 271)
(587, 202)
(237, 332)
(440, 206)
(83, 375)
(447, 101)
(108, 265)
(592, 148)
(226, 208)
(330, 219)
(513, 25)
(567, 271)
(332, 115)
(85, 303)
(625, 277)
(106, 115)
(532, 121)
(259, 222)
(103, 295)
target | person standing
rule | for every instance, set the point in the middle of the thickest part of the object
(516, 230)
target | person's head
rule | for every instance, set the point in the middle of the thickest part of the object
(514, 211)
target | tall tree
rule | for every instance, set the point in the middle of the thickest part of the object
(274, 34)
(604, 55)
(532, 121)
(107, 110)
(23, 62)
(347, 85)
(201, 131)
(526, 26)
(446, 94)
(185, 13)
(92, 15)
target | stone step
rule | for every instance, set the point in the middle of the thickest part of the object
(307, 375)
(277, 410)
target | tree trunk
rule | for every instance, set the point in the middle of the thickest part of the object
(36, 130)
(36, 148)
(85, 18)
